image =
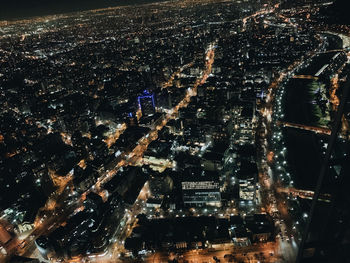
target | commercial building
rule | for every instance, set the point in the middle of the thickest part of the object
(147, 104)
(201, 193)
(247, 177)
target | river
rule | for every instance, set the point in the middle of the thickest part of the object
(303, 147)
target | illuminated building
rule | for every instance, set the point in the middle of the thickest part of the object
(147, 104)
(154, 203)
(247, 183)
(201, 193)
(247, 191)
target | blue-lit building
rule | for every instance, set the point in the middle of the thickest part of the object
(147, 104)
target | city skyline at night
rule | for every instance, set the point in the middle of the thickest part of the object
(185, 131)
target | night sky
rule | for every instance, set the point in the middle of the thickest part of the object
(16, 9)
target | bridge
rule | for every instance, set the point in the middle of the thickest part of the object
(332, 51)
(304, 194)
(320, 130)
(305, 77)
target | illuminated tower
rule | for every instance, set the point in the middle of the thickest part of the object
(146, 103)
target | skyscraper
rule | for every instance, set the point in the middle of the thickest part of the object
(147, 104)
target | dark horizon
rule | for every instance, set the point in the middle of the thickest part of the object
(21, 9)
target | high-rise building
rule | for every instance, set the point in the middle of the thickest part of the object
(147, 104)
